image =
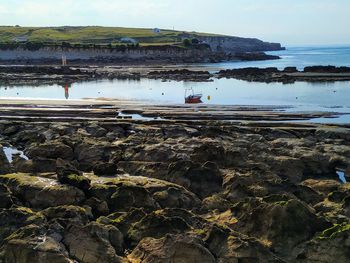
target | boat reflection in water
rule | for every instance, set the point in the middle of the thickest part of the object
(191, 97)
(66, 91)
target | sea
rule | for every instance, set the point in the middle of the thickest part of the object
(299, 96)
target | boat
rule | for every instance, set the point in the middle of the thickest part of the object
(192, 98)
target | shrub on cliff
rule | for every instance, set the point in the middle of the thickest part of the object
(8, 46)
(186, 42)
(33, 46)
(66, 45)
(195, 41)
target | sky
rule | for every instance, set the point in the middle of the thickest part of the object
(290, 22)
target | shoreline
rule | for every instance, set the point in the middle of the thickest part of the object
(37, 75)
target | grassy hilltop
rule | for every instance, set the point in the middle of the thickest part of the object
(92, 34)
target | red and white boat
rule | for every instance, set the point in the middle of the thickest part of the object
(192, 98)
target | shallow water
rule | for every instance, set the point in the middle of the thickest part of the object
(342, 177)
(304, 96)
(299, 57)
(11, 151)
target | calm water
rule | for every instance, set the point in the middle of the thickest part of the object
(314, 96)
(301, 96)
(300, 57)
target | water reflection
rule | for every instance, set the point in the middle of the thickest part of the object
(66, 91)
(301, 95)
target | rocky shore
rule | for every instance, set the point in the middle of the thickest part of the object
(289, 74)
(35, 74)
(196, 190)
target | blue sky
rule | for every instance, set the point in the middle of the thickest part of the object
(292, 22)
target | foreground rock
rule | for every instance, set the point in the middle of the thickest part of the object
(174, 192)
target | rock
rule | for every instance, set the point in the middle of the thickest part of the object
(131, 196)
(50, 150)
(88, 154)
(96, 130)
(5, 197)
(290, 69)
(254, 192)
(102, 191)
(94, 243)
(171, 248)
(99, 207)
(307, 194)
(202, 180)
(123, 220)
(229, 247)
(317, 165)
(285, 224)
(11, 129)
(289, 168)
(215, 202)
(40, 192)
(332, 245)
(322, 185)
(21, 165)
(65, 168)
(43, 165)
(105, 169)
(15, 218)
(77, 181)
(156, 225)
(176, 197)
(68, 214)
(30, 244)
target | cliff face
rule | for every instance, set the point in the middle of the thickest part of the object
(239, 44)
(216, 49)
(103, 54)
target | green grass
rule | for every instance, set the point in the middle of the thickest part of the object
(92, 34)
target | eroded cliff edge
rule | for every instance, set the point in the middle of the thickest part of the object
(210, 49)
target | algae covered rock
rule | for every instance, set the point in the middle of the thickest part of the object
(128, 196)
(41, 192)
(171, 248)
(332, 244)
(75, 180)
(229, 246)
(50, 150)
(203, 180)
(94, 243)
(285, 223)
(105, 169)
(5, 197)
(68, 214)
(31, 244)
(14, 218)
(157, 225)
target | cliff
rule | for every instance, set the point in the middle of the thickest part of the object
(238, 44)
(149, 54)
(144, 54)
